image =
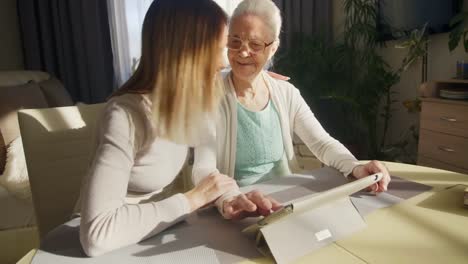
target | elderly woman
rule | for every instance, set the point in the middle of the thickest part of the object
(253, 139)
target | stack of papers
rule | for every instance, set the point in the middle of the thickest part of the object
(454, 93)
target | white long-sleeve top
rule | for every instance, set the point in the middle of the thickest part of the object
(130, 164)
(218, 154)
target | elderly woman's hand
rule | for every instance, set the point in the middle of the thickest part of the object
(370, 168)
(251, 204)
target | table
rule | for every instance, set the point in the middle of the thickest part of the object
(429, 228)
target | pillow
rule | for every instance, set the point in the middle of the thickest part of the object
(15, 176)
(14, 98)
(55, 93)
(13, 78)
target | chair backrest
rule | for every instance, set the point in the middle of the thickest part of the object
(58, 144)
(13, 78)
(25, 90)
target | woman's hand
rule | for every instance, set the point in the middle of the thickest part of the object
(251, 204)
(370, 168)
(209, 189)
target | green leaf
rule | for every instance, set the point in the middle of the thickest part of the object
(454, 37)
(458, 18)
(465, 40)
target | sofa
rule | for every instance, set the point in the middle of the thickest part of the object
(20, 90)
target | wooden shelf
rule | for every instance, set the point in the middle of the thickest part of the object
(443, 131)
(431, 89)
(446, 101)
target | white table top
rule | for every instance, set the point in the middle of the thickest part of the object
(380, 242)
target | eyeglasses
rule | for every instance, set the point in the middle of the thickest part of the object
(235, 43)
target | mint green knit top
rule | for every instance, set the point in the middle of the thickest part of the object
(260, 147)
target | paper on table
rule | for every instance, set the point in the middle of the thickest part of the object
(63, 246)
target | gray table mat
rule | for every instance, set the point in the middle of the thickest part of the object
(204, 237)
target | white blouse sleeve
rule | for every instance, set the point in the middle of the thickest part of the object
(327, 149)
(205, 162)
(108, 222)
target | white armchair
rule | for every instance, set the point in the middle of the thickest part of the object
(58, 146)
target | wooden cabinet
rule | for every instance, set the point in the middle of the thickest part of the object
(443, 141)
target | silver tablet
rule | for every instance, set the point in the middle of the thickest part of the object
(315, 200)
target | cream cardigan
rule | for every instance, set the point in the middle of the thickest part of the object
(219, 152)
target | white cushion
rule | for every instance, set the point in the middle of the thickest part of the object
(14, 212)
(58, 146)
(15, 176)
(13, 78)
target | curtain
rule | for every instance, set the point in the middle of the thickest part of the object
(228, 5)
(126, 20)
(69, 39)
(305, 16)
(119, 36)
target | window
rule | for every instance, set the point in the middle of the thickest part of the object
(228, 5)
(126, 19)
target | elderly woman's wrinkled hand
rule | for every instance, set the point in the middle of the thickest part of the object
(370, 168)
(251, 204)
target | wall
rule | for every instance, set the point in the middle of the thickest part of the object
(11, 55)
(441, 65)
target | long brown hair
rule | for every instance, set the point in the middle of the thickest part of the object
(180, 48)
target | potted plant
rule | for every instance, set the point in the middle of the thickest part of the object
(346, 81)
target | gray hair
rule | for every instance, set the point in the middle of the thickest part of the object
(265, 9)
